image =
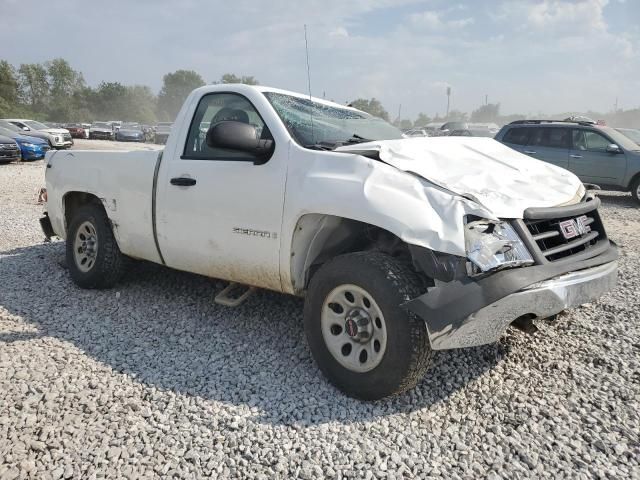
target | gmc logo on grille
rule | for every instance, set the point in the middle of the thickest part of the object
(574, 227)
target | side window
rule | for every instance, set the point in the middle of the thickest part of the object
(588, 140)
(596, 142)
(219, 107)
(517, 136)
(535, 136)
(556, 137)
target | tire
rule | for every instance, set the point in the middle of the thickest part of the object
(404, 351)
(105, 264)
(635, 189)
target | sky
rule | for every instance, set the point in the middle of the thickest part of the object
(537, 56)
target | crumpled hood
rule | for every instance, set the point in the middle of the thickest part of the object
(501, 179)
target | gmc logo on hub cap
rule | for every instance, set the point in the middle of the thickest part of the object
(574, 227)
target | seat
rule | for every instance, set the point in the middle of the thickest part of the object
(230, 114)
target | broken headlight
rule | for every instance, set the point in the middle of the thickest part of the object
(494, 245)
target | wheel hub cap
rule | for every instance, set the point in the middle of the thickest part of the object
(85, 246)
(353, 328)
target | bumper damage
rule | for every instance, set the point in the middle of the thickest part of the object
(467, 313)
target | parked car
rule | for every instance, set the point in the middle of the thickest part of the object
(9, 150)
(163, 129)
(101, 131)
(31, 148)
(398, 246)
(415, 132)
(61, 138)
(472, 132)
(596, 154)
(32, 133)
(76, 130)
(631, 133)
(130, 132)
(450, 126)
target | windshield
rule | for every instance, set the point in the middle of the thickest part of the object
(10, 126)
(314, 123)
(630, 133)
(7, 132)
(620, 139)
(35, 125)
(130, 126)
(101, 125)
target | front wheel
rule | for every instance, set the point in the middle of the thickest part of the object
(364, 342)
(92, 254)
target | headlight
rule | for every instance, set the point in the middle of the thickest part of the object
(494, 244)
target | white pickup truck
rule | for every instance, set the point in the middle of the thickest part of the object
(400, 246)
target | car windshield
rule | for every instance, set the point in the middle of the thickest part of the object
(10, 126)
(6, 132)
(630, 133)
(620, 139)
(35, 125)
(314, 124)
(130, 126)
(101, 125)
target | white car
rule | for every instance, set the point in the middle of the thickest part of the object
(398, 246)
(60, 137)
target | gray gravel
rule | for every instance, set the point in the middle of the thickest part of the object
(153, 379)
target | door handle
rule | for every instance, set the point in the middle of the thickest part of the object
(529, 152)
(183, 181)
(575, 156)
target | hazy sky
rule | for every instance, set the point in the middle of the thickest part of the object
(531, 56)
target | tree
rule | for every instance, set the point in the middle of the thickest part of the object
(405, 124)
(486, 113)
(33, 85)
(232, 78)
(8, 83)
(141, 104)
(422, 120)
(64, 82)
(176, 87)
(110, 101)
(373, 107)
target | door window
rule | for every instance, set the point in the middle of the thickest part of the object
(517, 136)
(215, 108)
(552, 137)
(590, 141)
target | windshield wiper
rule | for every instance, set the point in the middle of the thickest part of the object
(355, 138)
(321, 146)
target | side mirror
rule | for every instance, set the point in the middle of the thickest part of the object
(240, 136)
(613, 148)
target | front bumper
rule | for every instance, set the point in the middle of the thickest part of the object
(468, 313)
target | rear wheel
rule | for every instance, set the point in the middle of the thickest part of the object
(635, 189)
(361, 338)
(93, 256)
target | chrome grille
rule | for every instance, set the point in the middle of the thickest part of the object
(562, 237)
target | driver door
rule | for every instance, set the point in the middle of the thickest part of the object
(219, 213)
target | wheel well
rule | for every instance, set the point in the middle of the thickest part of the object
(633, 179)
(318, 238)
(72, 201)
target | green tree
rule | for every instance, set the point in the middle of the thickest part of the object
(64, 82)
(457, 116)
(486, 113)
(8, 83)
(33, 85)
(110, 101)
(141, 105)
(232, 78)
(176, 87)
(373, 107)
(422, 120)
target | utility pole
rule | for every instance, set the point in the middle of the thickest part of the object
(399, 112)
(448, 101)
(486, 99)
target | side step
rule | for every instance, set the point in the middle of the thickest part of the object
(234, 294)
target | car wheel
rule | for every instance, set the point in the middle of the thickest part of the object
(635, 189)
(93, 256)
(362, 339)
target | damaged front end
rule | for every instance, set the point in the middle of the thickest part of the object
(552, 259)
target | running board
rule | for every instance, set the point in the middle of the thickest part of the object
(234, 294)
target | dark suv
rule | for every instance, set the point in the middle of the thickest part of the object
(596, 154)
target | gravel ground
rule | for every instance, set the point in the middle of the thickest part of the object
(155, 380)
